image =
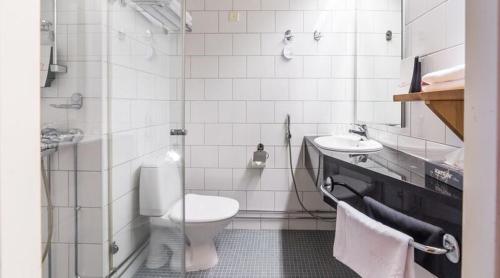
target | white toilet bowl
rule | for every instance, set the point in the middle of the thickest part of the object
(204, 218)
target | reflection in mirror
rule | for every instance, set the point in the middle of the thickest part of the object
(379, 51)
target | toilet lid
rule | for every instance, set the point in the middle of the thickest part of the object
(201, 208)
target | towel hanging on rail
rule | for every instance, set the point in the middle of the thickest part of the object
(371, 248)
(420, 231)
(450, 245)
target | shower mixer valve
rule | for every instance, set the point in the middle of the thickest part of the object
(51, 138)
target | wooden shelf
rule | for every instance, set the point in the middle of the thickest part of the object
(447, 105)
(441, 95)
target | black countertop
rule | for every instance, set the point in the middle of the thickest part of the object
(392, 164)
(399, 181)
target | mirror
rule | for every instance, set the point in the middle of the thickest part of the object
(379, 52)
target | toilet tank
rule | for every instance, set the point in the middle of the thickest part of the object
(160, 185)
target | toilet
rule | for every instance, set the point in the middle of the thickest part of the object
(205, 216)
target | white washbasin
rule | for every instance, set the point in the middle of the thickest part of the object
(348, 143)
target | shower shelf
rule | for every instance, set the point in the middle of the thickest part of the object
(447, 105)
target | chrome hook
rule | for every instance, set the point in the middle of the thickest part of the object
(317, 35)
(288, 36)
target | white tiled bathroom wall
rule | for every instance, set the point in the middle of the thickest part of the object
(436, 31)
(239, 89)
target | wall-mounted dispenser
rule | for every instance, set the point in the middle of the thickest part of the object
(259, 157)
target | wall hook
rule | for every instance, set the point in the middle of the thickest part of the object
(388, 35)
(317, 35)
(288, 36)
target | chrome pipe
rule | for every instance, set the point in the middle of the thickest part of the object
(54, 21)
(77, 208)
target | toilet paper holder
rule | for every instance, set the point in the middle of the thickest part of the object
(259, 157)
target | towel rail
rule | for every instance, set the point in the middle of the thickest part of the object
(450, 244)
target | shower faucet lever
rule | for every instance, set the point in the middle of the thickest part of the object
(178, 132)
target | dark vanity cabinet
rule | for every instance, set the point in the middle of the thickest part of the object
(397, 180)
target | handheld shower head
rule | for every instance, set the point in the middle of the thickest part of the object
(288, 132)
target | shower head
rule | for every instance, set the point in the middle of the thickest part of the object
(288, 132)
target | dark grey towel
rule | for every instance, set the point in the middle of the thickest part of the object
(422, 232)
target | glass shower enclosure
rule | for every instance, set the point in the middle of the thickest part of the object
(112, 99)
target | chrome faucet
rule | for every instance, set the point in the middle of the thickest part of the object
(51, 138)
(361, 130)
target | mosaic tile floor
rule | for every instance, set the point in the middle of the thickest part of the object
(260, 253)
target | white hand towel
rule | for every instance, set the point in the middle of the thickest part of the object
(444, 86)
(449, 74)
(370, 248)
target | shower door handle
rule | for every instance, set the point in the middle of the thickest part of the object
(178, 132)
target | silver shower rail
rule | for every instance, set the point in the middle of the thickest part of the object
(450, 244)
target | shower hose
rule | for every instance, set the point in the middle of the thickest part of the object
(50, 210)
(289, 143)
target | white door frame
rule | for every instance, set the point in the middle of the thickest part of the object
(481, 213)
(20, 228)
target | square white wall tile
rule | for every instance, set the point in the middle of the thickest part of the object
(246, 44)
(219, 134)
(232, 112)
(218, 5)
(275, 5)
(260, 200)
(260, 66)
(218, 179)
(204, 111)
(274, 89)
(218, 89)
(275, 180)
(260, 112)
(218, 44)
(232, 66)
(233, 157)
(246, 179)
(246, 134)
(289, 20)
(204, 67)
(204, 156)
(205, 22)
(246, 89)
(261, 21)
(246, 4)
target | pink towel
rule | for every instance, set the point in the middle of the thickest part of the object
(370, 248)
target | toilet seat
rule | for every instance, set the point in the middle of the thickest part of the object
(202, 209)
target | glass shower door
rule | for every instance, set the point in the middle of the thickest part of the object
(146, 125)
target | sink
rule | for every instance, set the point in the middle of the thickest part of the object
(348, 143)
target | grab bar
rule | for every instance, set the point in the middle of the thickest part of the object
(450, 244)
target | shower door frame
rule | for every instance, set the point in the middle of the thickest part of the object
(130, 259)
